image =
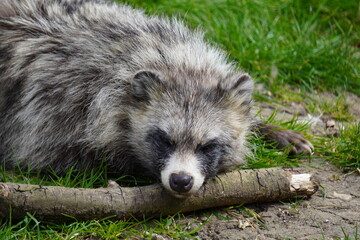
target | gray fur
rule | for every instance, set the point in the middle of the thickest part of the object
(86, 80)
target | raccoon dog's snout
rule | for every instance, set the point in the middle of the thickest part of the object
(182, 175)
(181, 182)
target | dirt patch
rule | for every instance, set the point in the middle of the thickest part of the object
(329, 214)
(353, 101)
(333, 209)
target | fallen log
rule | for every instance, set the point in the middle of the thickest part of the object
(232, 188)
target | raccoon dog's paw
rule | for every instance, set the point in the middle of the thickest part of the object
(285, 139)
(295, 140)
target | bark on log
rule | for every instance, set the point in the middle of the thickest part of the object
(237, 187)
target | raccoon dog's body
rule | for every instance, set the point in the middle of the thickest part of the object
(87, 80)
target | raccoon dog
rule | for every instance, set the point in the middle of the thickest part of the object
(87, 80)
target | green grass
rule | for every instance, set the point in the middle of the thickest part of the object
(296, 48)
(343, 151)
(174, 227)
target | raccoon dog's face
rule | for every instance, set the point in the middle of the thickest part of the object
(186, 133)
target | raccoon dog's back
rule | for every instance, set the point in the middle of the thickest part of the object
(86, 80)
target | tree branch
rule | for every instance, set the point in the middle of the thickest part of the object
(237, 187)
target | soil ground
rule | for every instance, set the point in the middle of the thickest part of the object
(331, 213)
(333, 209)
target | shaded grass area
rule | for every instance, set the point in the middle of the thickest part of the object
(335, 107)
(312, 45)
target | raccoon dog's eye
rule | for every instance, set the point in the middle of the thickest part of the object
(161, 143)
(162, 140)
(211, 148)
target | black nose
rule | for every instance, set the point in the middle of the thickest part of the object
(181, 182)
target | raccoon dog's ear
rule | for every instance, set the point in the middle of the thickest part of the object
(144, 82)
(243, 86)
